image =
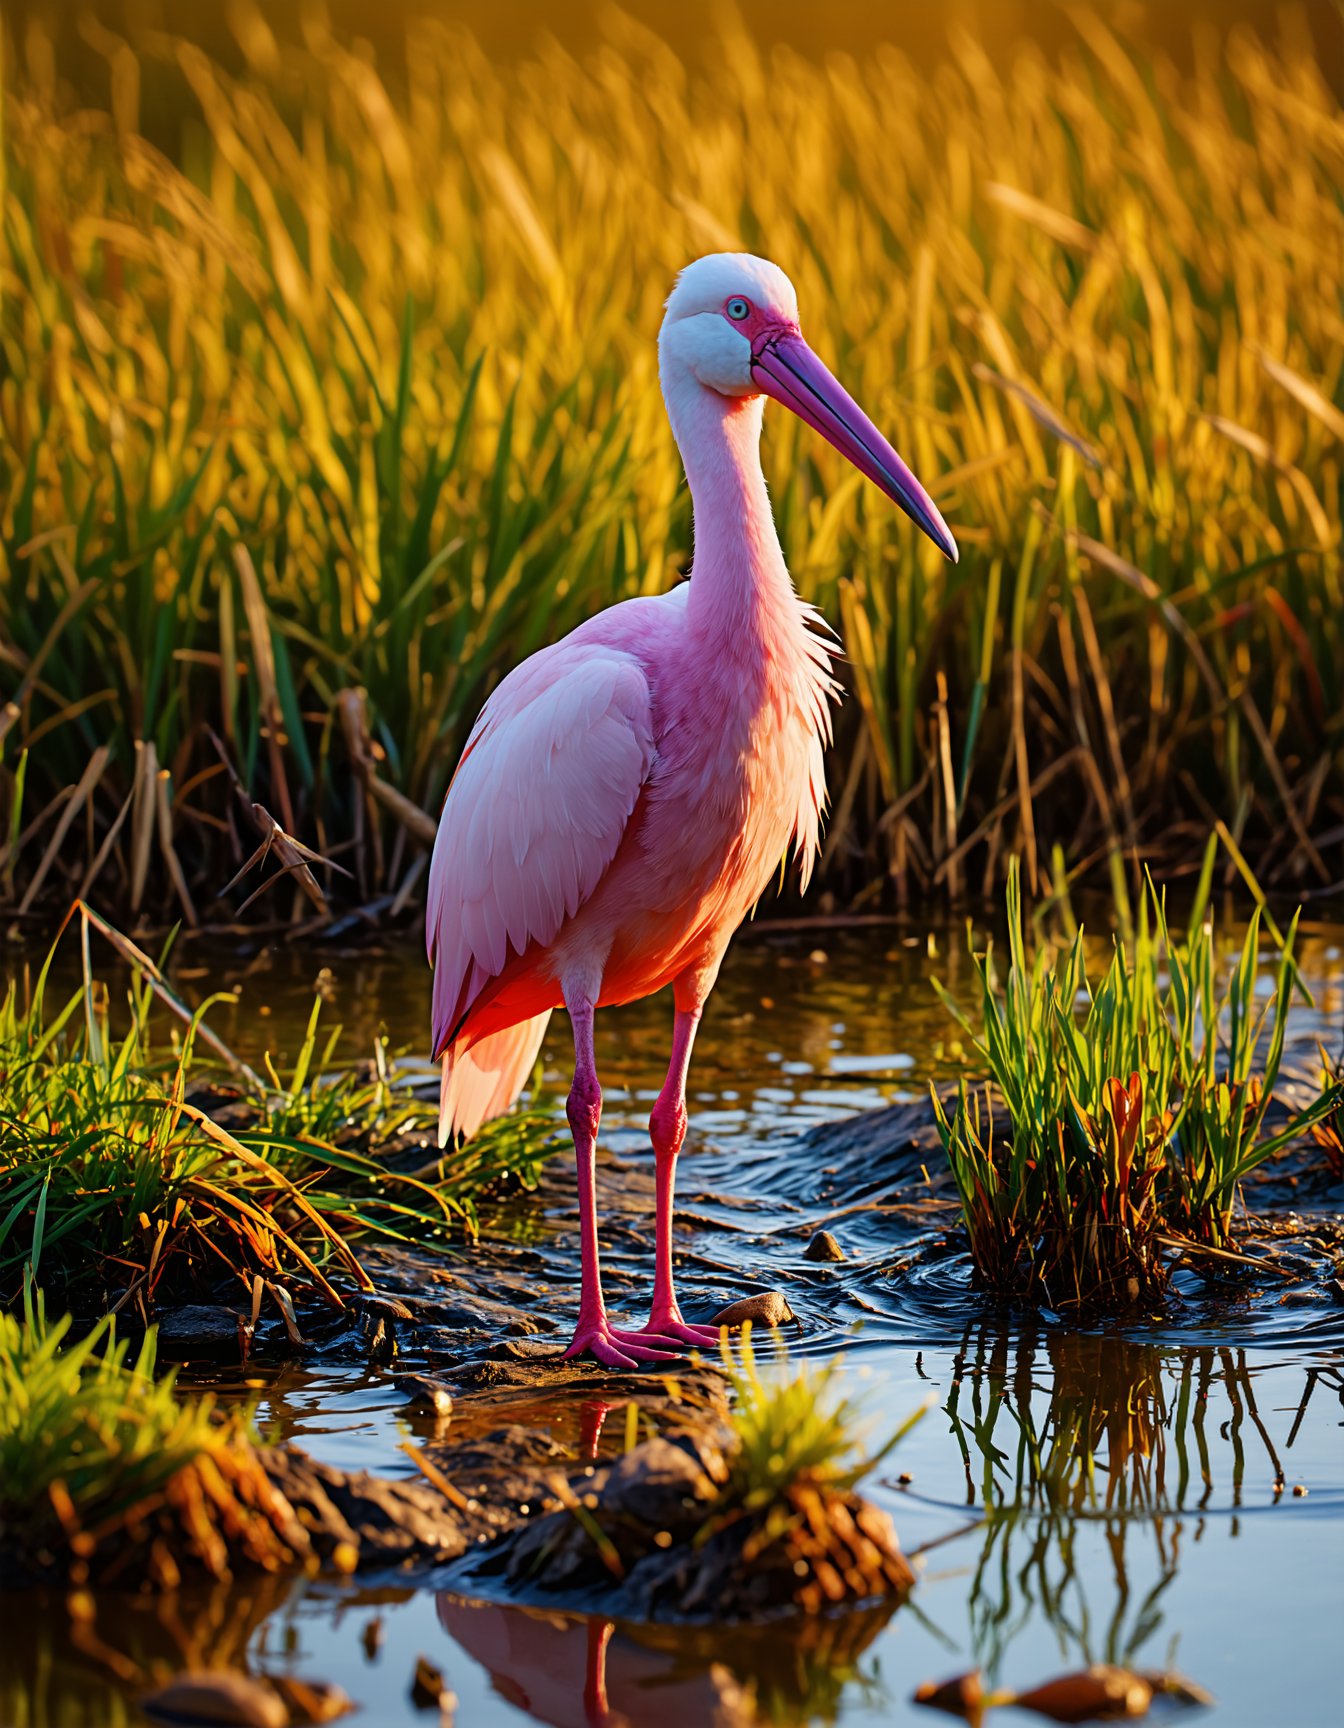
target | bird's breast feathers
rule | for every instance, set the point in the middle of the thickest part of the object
(740, 769)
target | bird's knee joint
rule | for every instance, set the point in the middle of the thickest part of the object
(584, 1106)
(667, 1128)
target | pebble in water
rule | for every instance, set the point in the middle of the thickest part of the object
(770, 1308)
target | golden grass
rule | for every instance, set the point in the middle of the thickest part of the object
(398, 345)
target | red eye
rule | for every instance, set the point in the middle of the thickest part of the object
(738, 308)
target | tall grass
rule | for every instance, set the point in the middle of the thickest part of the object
(359, 394)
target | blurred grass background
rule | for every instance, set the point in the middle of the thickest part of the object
(328, 391)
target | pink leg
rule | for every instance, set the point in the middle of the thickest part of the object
(596, 1710)
(594, 1333)
(667, 1130)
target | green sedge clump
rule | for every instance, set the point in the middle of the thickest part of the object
(1122, 1114)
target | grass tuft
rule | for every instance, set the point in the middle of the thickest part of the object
(97, 1455)
(789, 1505)
(120, 1182)
(1121, 1116)
(793, 1425)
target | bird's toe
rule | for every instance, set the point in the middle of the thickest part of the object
(678, 1332)
(616, 1349)
(647, 1346)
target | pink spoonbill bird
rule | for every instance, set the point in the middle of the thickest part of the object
(626, 795)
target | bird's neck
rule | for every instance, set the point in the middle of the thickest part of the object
(739, 580)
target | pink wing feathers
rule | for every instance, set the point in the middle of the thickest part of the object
(532, 819)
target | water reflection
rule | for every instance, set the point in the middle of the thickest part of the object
(1105, 1477)
(1127, 1427)
(1060, 1431)
(577, 1672)
(71, 1661)
(1076, 1504)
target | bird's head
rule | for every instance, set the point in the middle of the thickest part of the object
(732, 324)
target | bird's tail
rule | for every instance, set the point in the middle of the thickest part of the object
(483, 1079)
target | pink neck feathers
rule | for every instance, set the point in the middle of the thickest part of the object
(739, 577)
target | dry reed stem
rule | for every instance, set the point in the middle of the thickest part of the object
(79, 798)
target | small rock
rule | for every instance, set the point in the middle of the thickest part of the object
(428, 1687)
(1167, 1683)
(654, 1480)
(770, 1308)
(1101, 1691)
(962, 1696)
(423, 1392)
(198, 1327)
(390, 1308)
(221, 1698)
(311, 1700)
(823, 1246)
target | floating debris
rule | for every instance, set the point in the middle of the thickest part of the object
(429, 1688)
(310, 1700)
(963, 1695)
(1100, 1693)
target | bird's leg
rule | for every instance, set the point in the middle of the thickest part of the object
(594, 1333)
(667, 1130)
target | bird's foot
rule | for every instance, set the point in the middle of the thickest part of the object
(675, 1330)
(617, 1349)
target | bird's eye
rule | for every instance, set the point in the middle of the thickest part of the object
(738, 308)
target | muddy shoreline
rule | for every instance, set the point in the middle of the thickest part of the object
(473, 1338)
(492, 1317)
(464, 1345)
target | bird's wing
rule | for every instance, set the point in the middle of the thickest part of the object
(534, 815)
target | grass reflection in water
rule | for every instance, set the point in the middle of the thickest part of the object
(1063, 1430)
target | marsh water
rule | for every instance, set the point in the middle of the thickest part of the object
(1125, 1494)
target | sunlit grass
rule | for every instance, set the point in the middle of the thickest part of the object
(97, 1453)
(1123, 1115)
(397, 344)
(793, 1425)
(120, 1182)
(798, 1446)
(1329, 1133)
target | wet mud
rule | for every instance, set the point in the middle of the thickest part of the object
(1071, 1498)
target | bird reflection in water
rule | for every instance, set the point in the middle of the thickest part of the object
(577, 1671)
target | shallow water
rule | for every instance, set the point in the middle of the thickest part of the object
(1115, 1495)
